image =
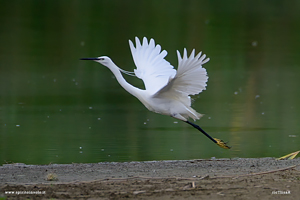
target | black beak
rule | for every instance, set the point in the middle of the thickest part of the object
(89, 59)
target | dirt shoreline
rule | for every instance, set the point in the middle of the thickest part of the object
(242, 178)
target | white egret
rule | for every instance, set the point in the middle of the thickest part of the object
(167, 91)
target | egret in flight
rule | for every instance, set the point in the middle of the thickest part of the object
(167, 91)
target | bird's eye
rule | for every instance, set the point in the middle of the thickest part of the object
(101, 58)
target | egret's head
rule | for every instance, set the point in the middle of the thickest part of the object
(104, 60)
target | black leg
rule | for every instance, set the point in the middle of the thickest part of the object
(219, 142)
(202, 131)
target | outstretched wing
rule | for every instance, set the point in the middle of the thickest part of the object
(152, 68)
(190, 79)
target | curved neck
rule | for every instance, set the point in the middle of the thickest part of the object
(128, 87)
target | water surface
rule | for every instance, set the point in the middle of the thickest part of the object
(57, 109)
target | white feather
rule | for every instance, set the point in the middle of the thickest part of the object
(190, 79)
(152, 68)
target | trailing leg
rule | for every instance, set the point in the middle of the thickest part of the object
(215, 140)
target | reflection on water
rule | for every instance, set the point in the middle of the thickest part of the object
(56, 108)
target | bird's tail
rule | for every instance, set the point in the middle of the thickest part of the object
(194, 114)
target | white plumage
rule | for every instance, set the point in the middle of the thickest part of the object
(167, 91)
(152, 68)
(164, 84)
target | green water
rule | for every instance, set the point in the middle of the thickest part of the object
(55, 108)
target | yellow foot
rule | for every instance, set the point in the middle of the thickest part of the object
(222, 144)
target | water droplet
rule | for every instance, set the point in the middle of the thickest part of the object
(175, 122)
(254, 43)
(263, 113)
(17, 125)
(236, 92)
(99, 118)
(145, 122)
(257, 96)
(102, 149)
(90, 108)
(171, 149)
(54, 80)
(80, 147)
